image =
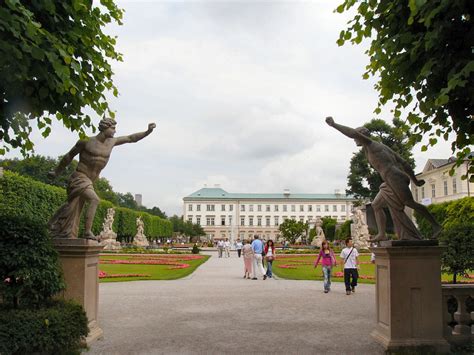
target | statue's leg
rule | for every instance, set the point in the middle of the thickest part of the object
(380, 218)
(426, 214)
(91, 197)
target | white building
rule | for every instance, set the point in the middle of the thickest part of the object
(242, 215)
(439, 185)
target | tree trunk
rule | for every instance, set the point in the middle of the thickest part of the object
(454, 277)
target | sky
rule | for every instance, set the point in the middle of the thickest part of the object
(239, 91)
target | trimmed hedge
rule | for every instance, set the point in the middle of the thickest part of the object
(448, 214)
(30, 199)
(57, 328)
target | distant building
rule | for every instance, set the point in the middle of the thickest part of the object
(138, 199)
(242, 215)
(439, 185)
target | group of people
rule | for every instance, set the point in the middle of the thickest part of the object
(255, 255)
(350, 259)
(223, 246)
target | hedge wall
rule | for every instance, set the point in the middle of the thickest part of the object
(25, 197)
(448, 214)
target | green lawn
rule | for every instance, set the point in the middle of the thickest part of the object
(304, 269)
(156, 272)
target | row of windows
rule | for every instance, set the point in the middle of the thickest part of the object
(433, 190)
(276, 208)
(253, 221)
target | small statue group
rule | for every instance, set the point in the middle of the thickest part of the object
(360, 230)
(108, 238)
(140, 239)
(319, 237)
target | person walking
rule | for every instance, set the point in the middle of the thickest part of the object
(269, 257)
(247, 252)
(350, 256)
(220, 247)
(227, 247)
(257, 247)
(328, 260)
(238, 247)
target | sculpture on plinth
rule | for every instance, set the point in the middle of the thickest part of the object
(319, 237)
(360, 230)
(140, 239)
(394, 192)
(108, 238)
(94, 153)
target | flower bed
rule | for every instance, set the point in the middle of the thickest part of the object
(104, 275)
(174, 264)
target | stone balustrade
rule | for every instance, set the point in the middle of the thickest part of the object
(458, 313)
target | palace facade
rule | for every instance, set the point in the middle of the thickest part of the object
(242, 215)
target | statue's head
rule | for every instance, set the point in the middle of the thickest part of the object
(107, 125)
(364, 131)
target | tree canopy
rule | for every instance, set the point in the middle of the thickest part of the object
(422, 54)
(364, 181)
(292, 230)
(54, 63)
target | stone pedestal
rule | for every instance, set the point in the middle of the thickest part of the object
(80, 263)
(408, 296)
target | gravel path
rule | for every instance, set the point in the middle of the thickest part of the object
(215, 311)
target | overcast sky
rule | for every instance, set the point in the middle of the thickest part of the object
(239, 92)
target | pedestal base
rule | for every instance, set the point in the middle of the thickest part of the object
(408, 297)
(80, 263)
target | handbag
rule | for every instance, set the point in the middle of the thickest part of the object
(269, 258)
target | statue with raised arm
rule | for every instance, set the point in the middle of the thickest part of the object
(394, 192)
(94, 153)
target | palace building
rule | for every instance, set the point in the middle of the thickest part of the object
(242, 215)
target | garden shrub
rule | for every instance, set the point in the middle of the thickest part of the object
(344, 231)
(329, 227)
(56, 328)
(458, 239)
(29, 267)
(195, 249)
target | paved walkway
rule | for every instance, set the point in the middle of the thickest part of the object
(215, 311)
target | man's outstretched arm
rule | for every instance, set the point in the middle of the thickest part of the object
(135, 137)
(348, 131)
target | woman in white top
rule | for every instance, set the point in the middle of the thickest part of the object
(269, 257)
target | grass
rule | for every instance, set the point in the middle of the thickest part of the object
(156, 272)
(304, 269)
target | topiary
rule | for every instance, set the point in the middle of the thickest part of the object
(29, 267)
(195, 250)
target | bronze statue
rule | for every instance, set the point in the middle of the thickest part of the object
(94, 153)
(394, 192)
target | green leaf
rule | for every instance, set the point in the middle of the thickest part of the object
(340, 8)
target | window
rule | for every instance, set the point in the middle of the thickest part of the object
(259, 208)
(301, 208)
(198, 207)
(222, 220)
(230, 220)
(242, 221)
(275, 208)
(210, 208)
(343, 208)
(209, 221)
(267, 208)
(310, 208)
(318, 208)
(276, 221)
(222, 207)
(259, 221)
(445, 185)
(285, 218)
(343, 218)
(267, 221)
(422, 192)
(326, 208)
(433, 190)
(198, 220)
(190, 207)
(293, 208)
(334, 208)
(250, 221)
(285, 208)
(455, 188)
(301, 218)
(190, 219)
(416, 194)
(231, 208)
(242, 208)
(293, 218)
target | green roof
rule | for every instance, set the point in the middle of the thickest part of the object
(207, 193)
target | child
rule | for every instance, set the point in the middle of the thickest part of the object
(350, 256)
(328, 261)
